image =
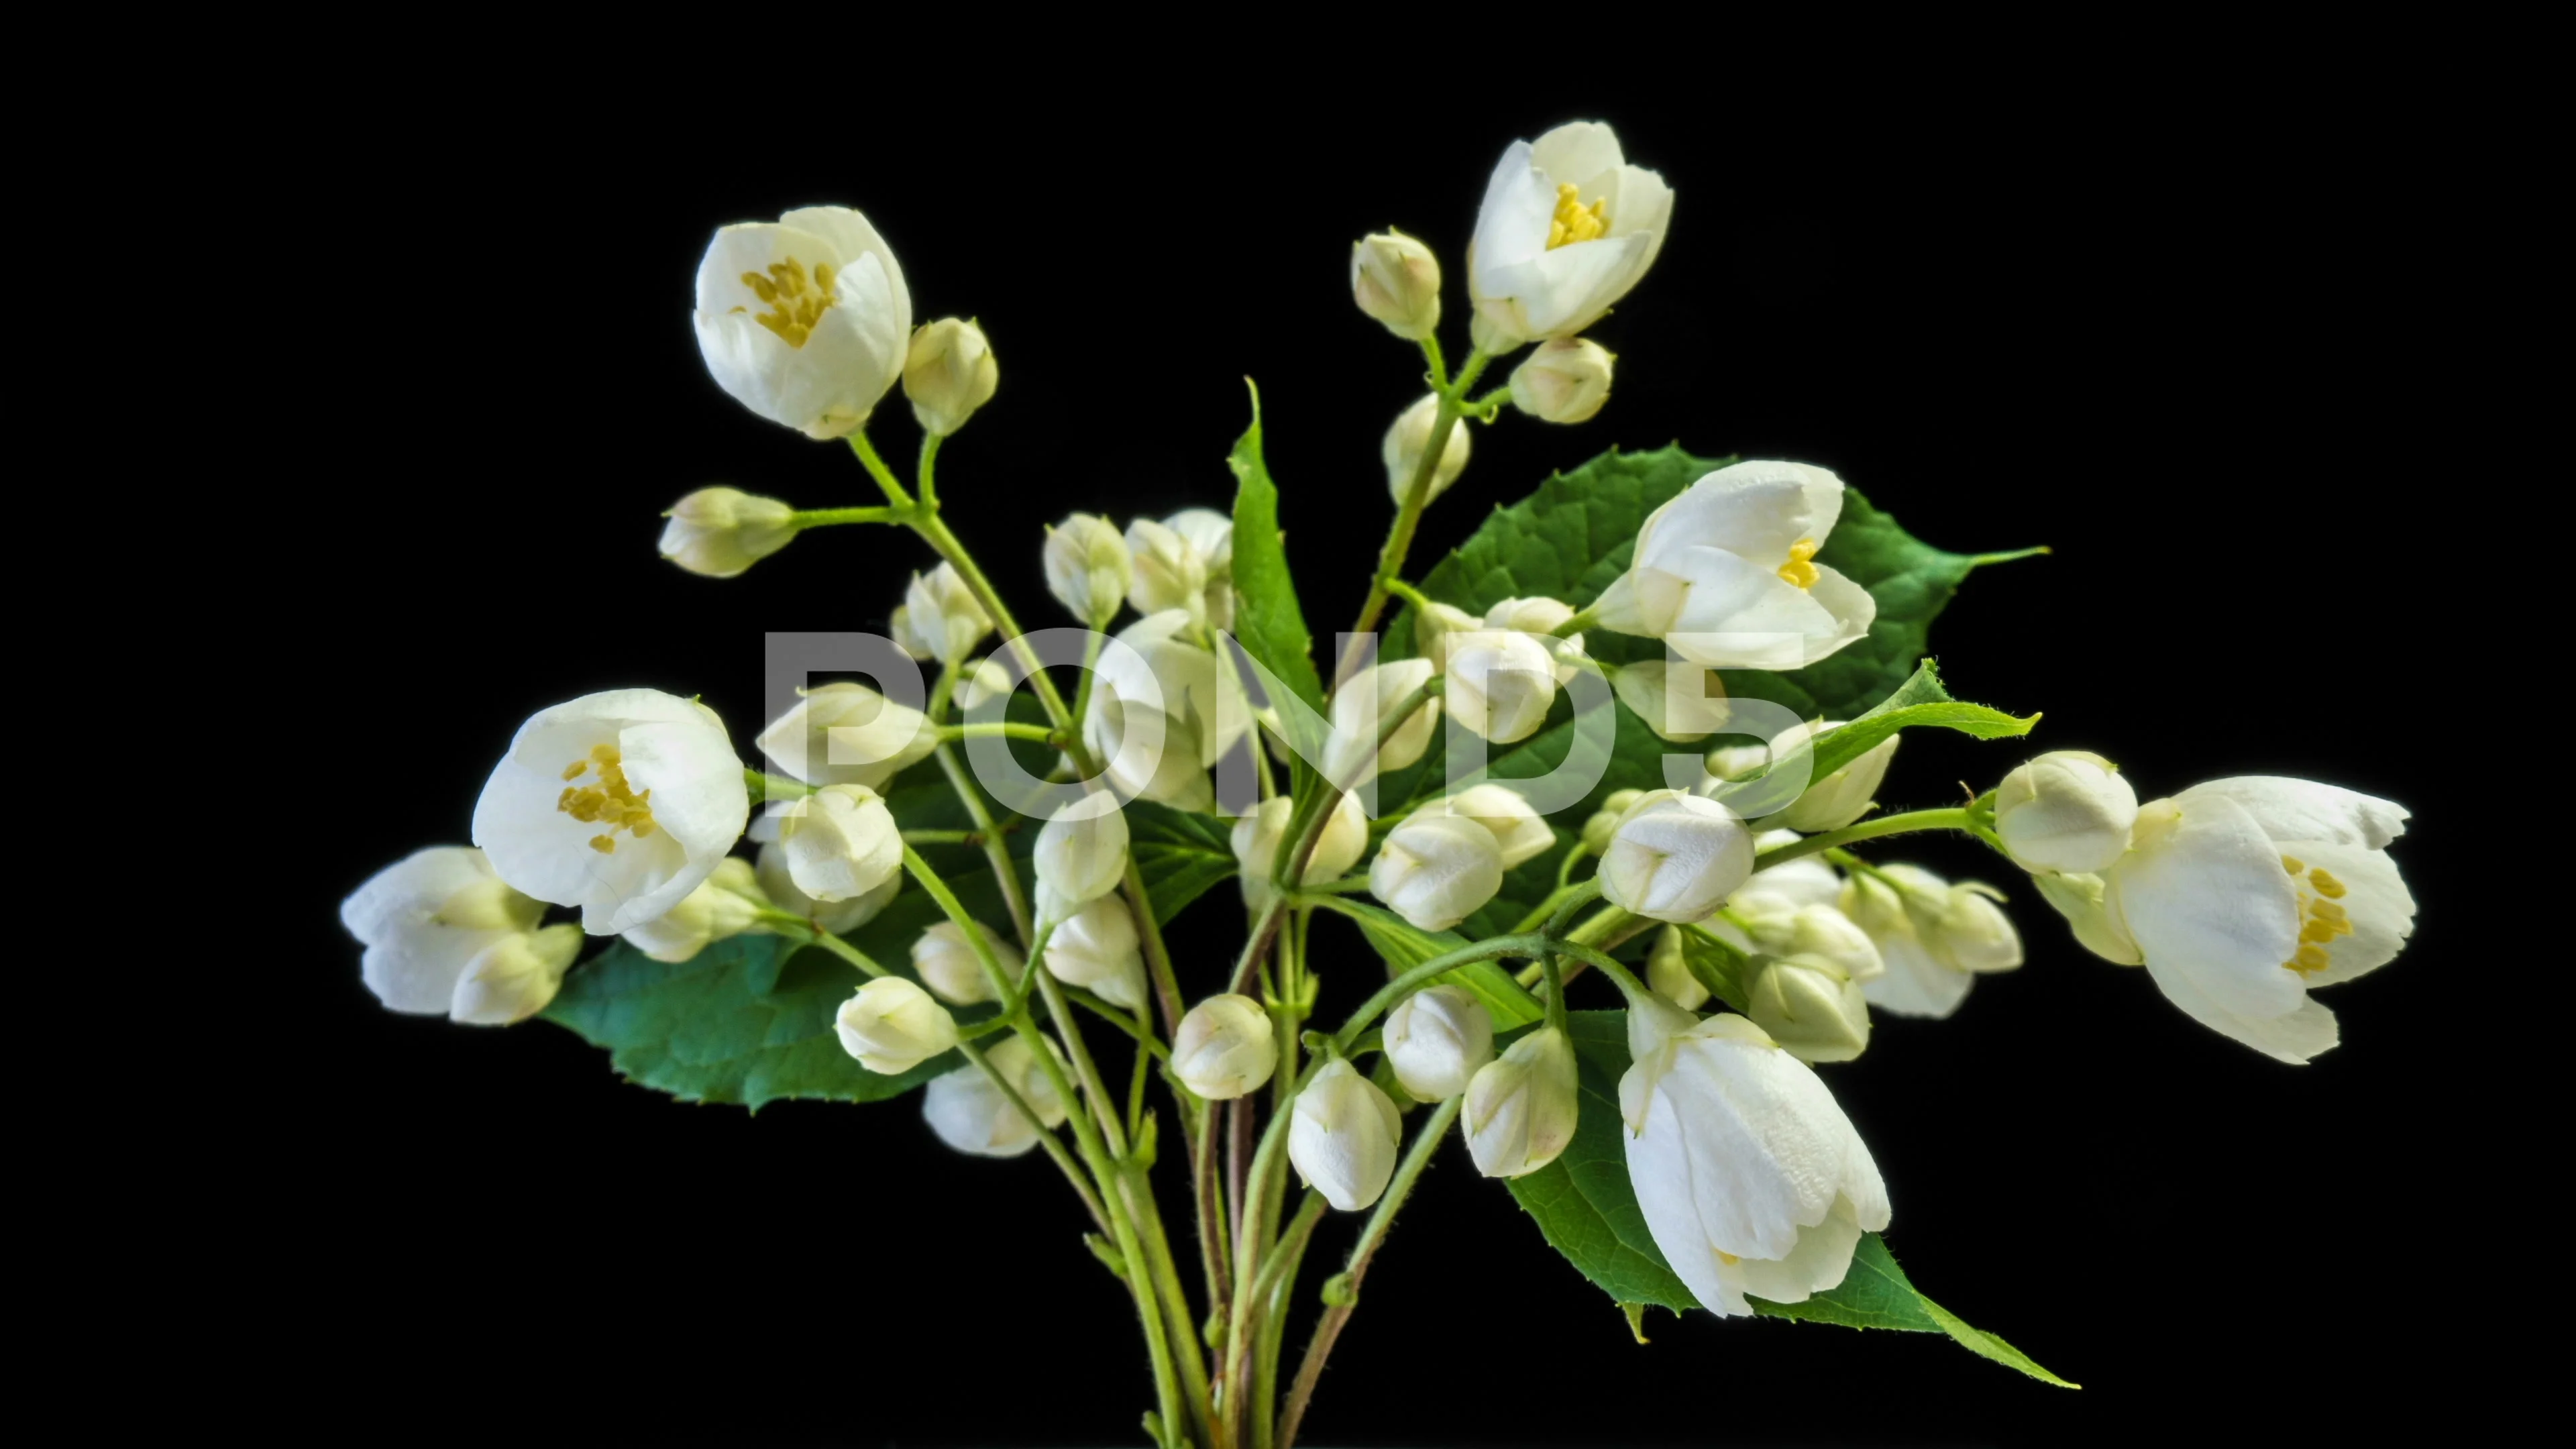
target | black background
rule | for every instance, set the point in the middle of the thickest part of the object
(2190, 331)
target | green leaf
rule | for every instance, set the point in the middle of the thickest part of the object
(748, 1021)
(1586, 1209)
(1267, 620)
(1919, 703)
(1181, 855)
(1572, 537)
(1405, 946)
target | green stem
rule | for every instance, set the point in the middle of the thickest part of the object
(1005, 730)
(1395, 990)
(1053, 1144)
(1408, 514)
(1329, 1330)
(1438, 376)
(765, 787)
(944, 837)
(1563, 896)
(923, 475)
(997, 850)
(1408, 593)
(945, 544)
(1582, 620)
(1278, 1279)
(877, 469)
(825, 517)
(1954, 818)
(1978, 561)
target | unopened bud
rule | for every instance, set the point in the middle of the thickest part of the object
(719, 532)
(1675, 857)
(973, 1114)
(1342, 1136)
(841, 842)
(1436, 870)
(1082, 852)
(1409, 437)
(1501, 682)
(513, 978)
(946, 961)
(1096, 948)
(1087, 567)
(1668, 972)
(724, 905)
(1565, 381)
(1436, 627)
(2065, 811)
(892, 1026)
(1437, 1039)
(948, 374)
(1224, 1048)
(1811, 1007)
(1521, 1107)
(1396, 280)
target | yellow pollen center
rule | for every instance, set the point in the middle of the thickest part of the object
(1797, 570)
(1575, 222)
(1729, 1259)
(795, 301)
(611, 802)
(2321, 919)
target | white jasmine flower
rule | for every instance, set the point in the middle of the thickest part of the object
(2065, 811)
(1437, 870)
(892, 1026)
(1726, 575)
(1675, 857)
(1539, 618)
(619, 803)
(805, 320)
(1342, 1136)
(425, 918)
(1567, 228)
(1437, 1039)
(2243, 895)
(1810, 1006)
(1750, 1178)
(1224, 1048)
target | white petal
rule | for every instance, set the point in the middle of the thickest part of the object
(1584, 152)
(2378, 905)
(2203, 894)
(1511, 226)
(2290, 809)
(1914, 984)
(1756, 509)
(1569, 288)
(2295, 1036)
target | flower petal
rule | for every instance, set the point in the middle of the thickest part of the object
(2294, 1037)
(2375, 901)
(2202, 892)
(2290, 809)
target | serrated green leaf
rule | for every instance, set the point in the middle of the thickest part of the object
(1180, 855)
(1919, 703)
(1268, 619)
(1572, 537)
(1587, 1210)
(1404, 946)
(748, 1021)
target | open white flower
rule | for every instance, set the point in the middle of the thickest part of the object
(1568, 226)
(892, 1026)
(1521, 1107)
(1675, 857)
(1225, 1047)
(1360, 710)
(1437, 1039)
(1257, 836)
(1088, 567)
(425, 918)
(1408, 437)
(804, 320)
(1830, 803)
(1096, 948)
(838, 917)
(719, 532)
(2244, 894)
(1519, 830)
(1750, 1178)
(848, 734)
(1342, 1136)
(841, 843)
(1437, 870)
(619, 803)
(1933, 937)
(723, 906)
(1082, 851)
(1725, 574)
(940, 618)
(1501, 682)
(973, 1114)
(944, 957)
(2065, 811)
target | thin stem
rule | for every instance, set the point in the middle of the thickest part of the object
(1278, 1280)
(1408, 593)
(1004, 730)
(1135, 1027)
(997, 850)
(825, 517)
(1158, 958)
(1555, 990)
(1329, 1330)
(1438, 376)
(764, 787)
(1954, 818)
(1395, 990)
(1408, 514)
(944, 837)
(878, 470)
(945, 544)
(1047, 1139)
(922, 473)
(1582, 620)
(1978, 561)
(1557, 899)
(1208, 1197)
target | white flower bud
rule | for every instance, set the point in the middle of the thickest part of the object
(1931, 935)
(1148, 753)
(1517, 828)
(1540, 618)
(892, 1026)
(1668, 974)
(948, 373)
(1257, 836)
(2079, 898)
(946, 962)
(1810, 1006)
(941, 615)
(982, 680)
(1362, 708)
(1087, 567)
(1597, 830)
(1396, 279)
(1342, 1135)
(1565, 381)
(848, 734)
(1082, 852)
(426, 918)
(1436, 627)
(1166, 570)
(1437, 870)
(1224, 1048)
(724, 905)
(1212, 534)
(841, 842)
(1097, 948)
(1675, 857)
(719, 532)
(1971, 932)
(2065, 811)
(513, 978)
(1408, 437)
(972, 1114)
(1521, 1106)
(838, 917)
(1437, 1039)
(1678, 700)
(1500, 684)
(1830, 803)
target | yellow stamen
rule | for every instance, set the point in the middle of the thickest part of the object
(611, 802)
(1575, 222)
(2293, 865)
(1797, 570)
(2326, 911)
(573, 770)
(604, 844)
(2311, 959)
(2327, 886)
(1729, 1259)
(795, 302)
